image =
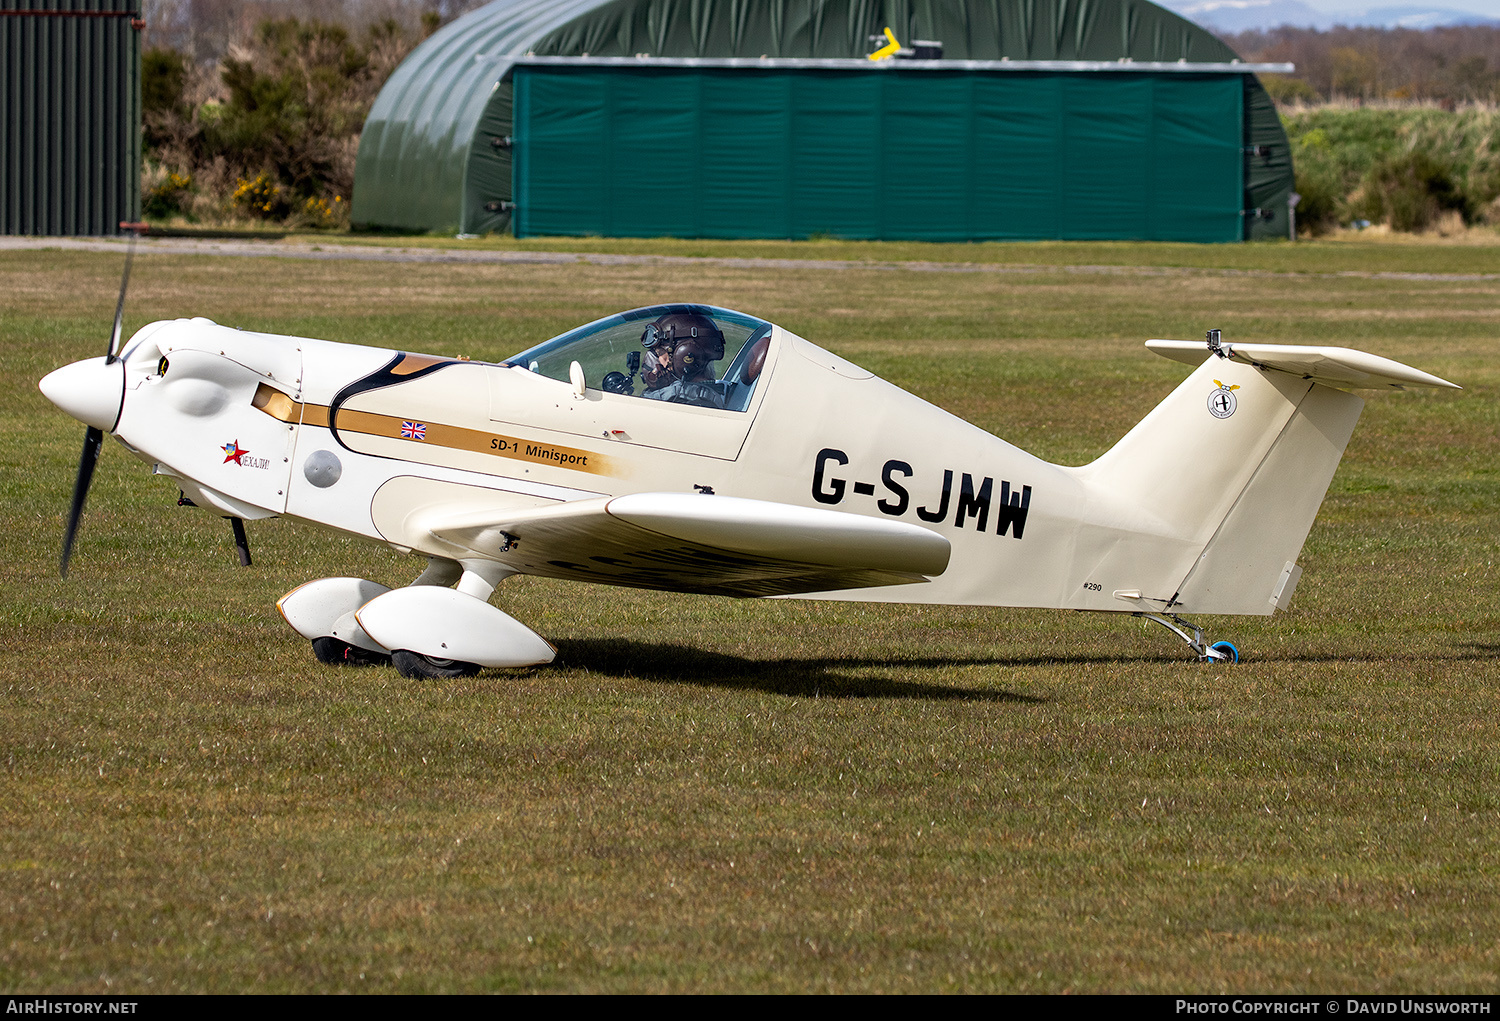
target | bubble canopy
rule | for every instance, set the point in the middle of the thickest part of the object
(615, 357)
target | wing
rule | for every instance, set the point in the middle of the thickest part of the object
(717, 545)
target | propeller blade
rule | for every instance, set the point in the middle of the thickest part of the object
(93, 442)
(111, 351)
(93, 439)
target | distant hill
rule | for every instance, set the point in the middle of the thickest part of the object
(1261, 15)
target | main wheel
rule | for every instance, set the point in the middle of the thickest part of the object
(425, 668)
(336, 652)
(1229, 650)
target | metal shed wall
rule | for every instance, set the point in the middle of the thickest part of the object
(70, 116)
(435, 154)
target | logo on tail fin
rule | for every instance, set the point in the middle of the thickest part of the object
(1222, 402)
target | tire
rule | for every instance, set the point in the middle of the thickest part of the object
(336, 652)
(1229, 649)
(417, 667)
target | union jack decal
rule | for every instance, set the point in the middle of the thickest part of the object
(413, 431)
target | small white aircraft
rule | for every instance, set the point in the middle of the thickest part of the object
(695, 449)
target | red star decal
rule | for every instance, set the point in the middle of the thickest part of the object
(233, 452)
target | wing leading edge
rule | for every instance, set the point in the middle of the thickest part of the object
(716, 545)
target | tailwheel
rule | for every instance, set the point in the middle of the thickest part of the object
(1229, 653)
(1218, 652)
(415, 666)
(334, 652)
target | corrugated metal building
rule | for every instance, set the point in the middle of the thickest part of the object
(70, 116)
(762, 118)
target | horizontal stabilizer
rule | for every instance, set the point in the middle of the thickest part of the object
(718, 545)
(1339, 367)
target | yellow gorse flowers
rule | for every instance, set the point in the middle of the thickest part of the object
(261, 196)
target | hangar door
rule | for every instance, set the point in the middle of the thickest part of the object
(889, 154)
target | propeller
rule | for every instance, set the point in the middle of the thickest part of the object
(93, 438)
(93, 442)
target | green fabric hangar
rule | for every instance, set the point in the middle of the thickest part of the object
(998, 119)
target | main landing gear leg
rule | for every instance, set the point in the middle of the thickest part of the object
(440, 571)
(1218, 652)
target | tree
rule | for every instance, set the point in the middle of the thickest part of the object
(272, 129)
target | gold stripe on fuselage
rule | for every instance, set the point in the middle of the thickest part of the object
(436, 434)
(282, 408)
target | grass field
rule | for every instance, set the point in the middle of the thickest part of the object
(715, 795)
(1477, 251)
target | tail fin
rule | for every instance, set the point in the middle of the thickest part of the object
(1228, 473)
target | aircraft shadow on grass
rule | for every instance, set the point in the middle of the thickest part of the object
(847, 676)
(1461, 653)
(812, 677)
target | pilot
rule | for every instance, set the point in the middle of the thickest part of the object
(681, 348)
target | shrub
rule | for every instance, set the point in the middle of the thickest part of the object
(1320, 182)
(273, 131)
(163, 192)
(261, 198)
(1407, 167)
(164, 75)
(1411, 190)
(323, 213)
(1289, 91)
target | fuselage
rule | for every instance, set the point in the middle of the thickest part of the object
(374, 442)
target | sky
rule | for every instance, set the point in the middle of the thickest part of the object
(1239, 14)
(1488, 8)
